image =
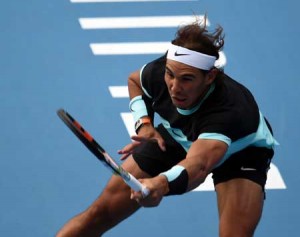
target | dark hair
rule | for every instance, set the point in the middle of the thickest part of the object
(195, 36)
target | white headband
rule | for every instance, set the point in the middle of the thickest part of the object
(190, 57)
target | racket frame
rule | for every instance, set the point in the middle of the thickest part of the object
(87, 139)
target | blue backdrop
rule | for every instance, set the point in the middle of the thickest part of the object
(47, 61)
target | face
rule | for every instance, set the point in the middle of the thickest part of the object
(186, 84)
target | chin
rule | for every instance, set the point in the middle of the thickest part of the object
(181, 106)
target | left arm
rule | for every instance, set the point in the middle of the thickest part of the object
(201, 158)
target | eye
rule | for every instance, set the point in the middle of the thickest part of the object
(168, 73)
(187, 78)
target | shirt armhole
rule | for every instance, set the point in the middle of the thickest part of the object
(141, 81)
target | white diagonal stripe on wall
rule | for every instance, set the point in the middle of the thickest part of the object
(108, 1)
(119, 91)
(129, 48)
(136, 22)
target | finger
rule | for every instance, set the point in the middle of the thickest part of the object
(125, 156)
(161, 144)
(129, 148)
(136, 195)
(139, 202)
(132, 197)
(140, 139)
(159, 140)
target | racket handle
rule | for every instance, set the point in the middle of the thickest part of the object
(137, 186)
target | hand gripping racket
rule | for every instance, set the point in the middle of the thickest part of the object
(100, 153)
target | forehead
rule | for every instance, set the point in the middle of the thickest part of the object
(181, 68)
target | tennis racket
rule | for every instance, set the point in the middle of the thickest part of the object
(100, 153)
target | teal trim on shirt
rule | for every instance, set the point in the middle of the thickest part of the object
(261, 138)
(141, 81)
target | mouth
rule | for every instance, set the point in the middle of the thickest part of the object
(178, 98)
(178, 101)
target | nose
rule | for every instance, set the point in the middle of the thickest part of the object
(175, 86)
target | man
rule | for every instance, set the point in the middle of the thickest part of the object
(210, 124)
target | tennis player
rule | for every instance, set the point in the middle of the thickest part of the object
(210, 123)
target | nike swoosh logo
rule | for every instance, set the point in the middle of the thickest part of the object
(180, 54)
(247, 169)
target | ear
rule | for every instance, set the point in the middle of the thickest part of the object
(211, 75)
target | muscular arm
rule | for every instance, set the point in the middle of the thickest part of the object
(201, 158)
(203, 155)
(134, 84)
(147, 131)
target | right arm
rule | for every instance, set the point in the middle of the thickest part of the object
(147, 131)
(134, 85)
